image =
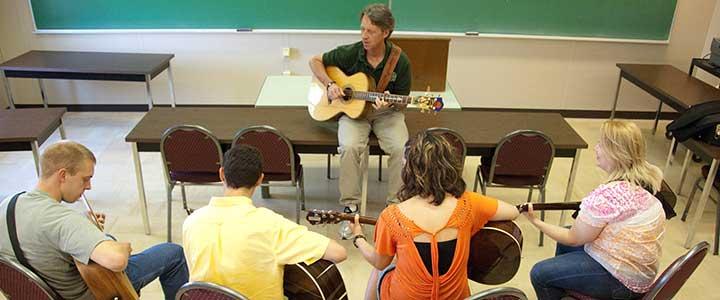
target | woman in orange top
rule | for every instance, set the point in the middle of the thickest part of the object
(430, 230)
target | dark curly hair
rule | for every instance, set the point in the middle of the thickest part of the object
(432, 168)
(243, 166)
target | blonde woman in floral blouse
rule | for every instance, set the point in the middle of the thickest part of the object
(612, 251)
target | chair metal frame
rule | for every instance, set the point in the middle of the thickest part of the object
(225, 291)
(169, 183)
(667, 274)
(491, 175)
(699, 249)
(34, 278)
(297, 183)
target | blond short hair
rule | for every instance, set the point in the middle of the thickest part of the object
(624, 145)
(64, 154)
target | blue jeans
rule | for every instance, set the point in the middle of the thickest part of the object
(573, 269)
(166, 261)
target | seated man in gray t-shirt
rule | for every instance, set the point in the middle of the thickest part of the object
(52, 236)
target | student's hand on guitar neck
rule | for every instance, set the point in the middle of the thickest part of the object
(530, 213)
(356, 227)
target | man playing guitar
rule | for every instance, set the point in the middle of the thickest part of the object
(233, 243)
(372, 55)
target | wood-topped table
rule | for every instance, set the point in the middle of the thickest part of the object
(137, 67)
(668, 84)
(26, 129)
(482, 130)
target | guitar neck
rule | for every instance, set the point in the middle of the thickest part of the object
(392, 98)
(550, 206)
(363, 220)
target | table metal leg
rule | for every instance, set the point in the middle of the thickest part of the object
(571, 183)
(171, 84)
(8, 92)
(265, 192)
(42, 92)
(62, 130)
(657, 117)
(683, 171)
(701, 204)
(364, 167)
(36, 156)
(617, 93)
(670, 155)
(148, 92)
(328, 167)
(692, 67)
(141, 188)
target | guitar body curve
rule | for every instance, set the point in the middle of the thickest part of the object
(322, 109)
(319, 281)
(495, 253)
(106, 284)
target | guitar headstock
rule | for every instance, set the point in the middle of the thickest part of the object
(429, 103)
(316, 216)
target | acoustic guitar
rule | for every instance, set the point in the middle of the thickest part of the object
(358, 97)
(103, 283)
(318, 281)
(494, 250)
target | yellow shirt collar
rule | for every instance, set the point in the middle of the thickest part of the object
(225, 201)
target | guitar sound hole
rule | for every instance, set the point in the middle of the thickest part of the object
(348, 93)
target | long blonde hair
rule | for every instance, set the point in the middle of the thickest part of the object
(624, 145)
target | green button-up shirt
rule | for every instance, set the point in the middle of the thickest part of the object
(351, 59)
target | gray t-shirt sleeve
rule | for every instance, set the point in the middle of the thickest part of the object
(75, 235)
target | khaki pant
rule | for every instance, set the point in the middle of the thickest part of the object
(353, 136)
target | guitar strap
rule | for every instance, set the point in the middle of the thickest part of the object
(388, 69)
(12, 231)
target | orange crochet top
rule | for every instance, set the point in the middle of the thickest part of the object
(394, 234)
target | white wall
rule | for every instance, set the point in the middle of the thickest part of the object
(484, 72)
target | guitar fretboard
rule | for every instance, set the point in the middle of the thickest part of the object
(370, 96)
(550, 206)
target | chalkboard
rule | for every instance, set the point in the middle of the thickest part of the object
(623, 19)
(627, 19)
(198, 14)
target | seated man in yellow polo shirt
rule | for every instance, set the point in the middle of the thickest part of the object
(235, 244)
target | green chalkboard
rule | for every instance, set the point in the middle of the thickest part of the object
(198, 14)
(626, 19)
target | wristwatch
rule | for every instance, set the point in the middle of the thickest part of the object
(359, 236)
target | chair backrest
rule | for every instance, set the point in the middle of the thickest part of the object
(523, 153)
(20, 283)
(277, 151)
(198, 290)
(499, 293)
(190, 149)
(454, 138)
(673, 278)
